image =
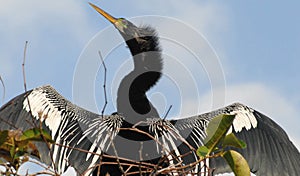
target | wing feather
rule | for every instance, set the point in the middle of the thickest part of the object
(269, 150)
(68, 124)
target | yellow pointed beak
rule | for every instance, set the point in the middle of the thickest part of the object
(103, 13)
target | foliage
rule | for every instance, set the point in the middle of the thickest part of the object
(16, 146)
(218, 140)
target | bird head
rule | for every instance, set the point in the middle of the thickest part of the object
(127, 29)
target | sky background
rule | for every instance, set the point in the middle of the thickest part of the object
(256, 45)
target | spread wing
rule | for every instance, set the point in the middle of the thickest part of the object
(269, 150)
(68, 124)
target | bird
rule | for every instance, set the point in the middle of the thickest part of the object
(269, 150)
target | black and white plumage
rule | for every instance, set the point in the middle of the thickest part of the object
(269, 150)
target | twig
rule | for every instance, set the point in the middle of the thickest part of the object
(116, 154)
(100, 163)
(8, 168)
(105, 104)
(24, 81)
(141, 157)
(144, 167)
(47, 143)
(128, 169)
(23, 66)
(104, 84)
(142, 132)
(30, 110)
(160, 144)
(41, 165)
(139, 123)
(167, 112)
(8, 123)
(157, 141)
(42, 173)
(105, 155)
(3, 85)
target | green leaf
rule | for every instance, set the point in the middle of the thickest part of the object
(202, 151)
(18, 154)
(12, 151)
(237, 163)
(3, 137)
(217, 129)
(232, 141)
(35, 134)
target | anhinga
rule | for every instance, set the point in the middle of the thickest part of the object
(269, 150)
(144, 46)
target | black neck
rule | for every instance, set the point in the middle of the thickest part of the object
(132, 101)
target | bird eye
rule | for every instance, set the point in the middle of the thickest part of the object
(124, 22)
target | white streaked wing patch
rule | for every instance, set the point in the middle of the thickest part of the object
(244, 118)
(198, 140)
(39, 103)
(168, 138)
(204, 165)
(102, 131)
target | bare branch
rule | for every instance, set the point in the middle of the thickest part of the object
(46, 142)
(116, 154)
(3, 85)
(8, 123)
(30, 111)
(24, 80)
(47, 169)
(23, 66)
(167, 112)
(104, 84)
(105, 103)
(141, 157)
(140, 167)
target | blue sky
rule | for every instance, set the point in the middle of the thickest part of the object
(252, 57)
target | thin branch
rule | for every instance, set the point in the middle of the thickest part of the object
(147, 168)
(23, 66)
(105, 103)
(104, 84)
(46, 142)
(3, 85)
(142, 132)
(42, 173)
(100, 163)
(8, 123)
(30, 110)
(104, 106)
(105, 155)
(116, 154)
(167, 112)
(158, 142)
(47, 170)
(24, 80)
(141, 156)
